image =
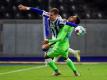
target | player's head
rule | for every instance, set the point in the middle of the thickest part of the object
(53, 13)
(74, 19)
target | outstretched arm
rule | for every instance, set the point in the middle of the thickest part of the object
(25, 8)
(40, 12)
(71, 24)
(64, 22)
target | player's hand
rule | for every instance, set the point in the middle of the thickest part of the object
(45, 41)
(45, 45)
(22, 7)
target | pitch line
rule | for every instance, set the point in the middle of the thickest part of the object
(19, 70)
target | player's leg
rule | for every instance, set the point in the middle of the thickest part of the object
(72, 67)
(53, 66)
(45, 59)
(70, 64)
(51, 63)
(76, 53)
(55, 59)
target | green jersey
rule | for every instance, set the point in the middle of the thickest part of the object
(61, 42)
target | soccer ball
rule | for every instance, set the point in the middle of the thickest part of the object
(80, 30)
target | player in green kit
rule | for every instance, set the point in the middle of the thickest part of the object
(61, 47)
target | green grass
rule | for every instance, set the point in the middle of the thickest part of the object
(33, 72)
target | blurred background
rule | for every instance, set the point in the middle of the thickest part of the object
(21, 33)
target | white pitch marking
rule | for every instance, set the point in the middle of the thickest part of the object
(19, 70)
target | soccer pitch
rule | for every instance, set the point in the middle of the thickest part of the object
(41, 72)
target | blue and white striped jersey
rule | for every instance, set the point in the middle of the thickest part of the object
(54, 26)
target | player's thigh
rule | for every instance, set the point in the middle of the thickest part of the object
(65, 54)
(53, 53)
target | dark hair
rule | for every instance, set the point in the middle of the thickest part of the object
(77, 20)
(55, 11)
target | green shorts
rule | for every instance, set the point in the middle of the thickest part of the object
(55, 52)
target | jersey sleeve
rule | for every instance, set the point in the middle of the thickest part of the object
(46, 14)
(71, 24)
(46, 27)
(39, 11)
(64, 22)
(61, 21)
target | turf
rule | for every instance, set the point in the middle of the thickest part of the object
(36, 72)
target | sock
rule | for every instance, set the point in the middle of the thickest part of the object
(52, 65)
(72, 51)
(55, 59)
(46, 60)
(71, 65)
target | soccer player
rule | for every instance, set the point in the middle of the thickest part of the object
(61, 47)
(55, 23)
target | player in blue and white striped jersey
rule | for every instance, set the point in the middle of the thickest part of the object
(54, 24)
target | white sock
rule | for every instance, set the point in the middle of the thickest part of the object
(72, 51)
(48, 60)
(55, 59)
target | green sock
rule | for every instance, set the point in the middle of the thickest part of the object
(53, 66)
(71, 65)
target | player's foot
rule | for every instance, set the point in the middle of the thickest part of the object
(76, 73)
(77, 55)
(56, 73)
